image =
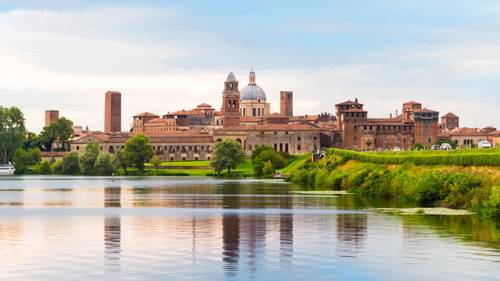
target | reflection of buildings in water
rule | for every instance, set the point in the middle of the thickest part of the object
(112, 197)
(286, 230)
(351, 231)
(230, 232)
(112, 241)
(253, 232)
(112, 230)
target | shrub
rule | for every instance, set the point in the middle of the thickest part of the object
(25, 158)
(70, 164)
(493, 204)
(268, 169)
(262, 155)
(429, 189)
(43, 168)
(88, 159)
(104, 165)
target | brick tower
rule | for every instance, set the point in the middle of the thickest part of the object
(286, 103)
(51, 116)
(113, 112)
(231, 102)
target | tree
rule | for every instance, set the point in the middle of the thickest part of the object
(138, 151)
(263, 155)
(228, 155)
(12, 132)
(60, 131)
(64, 131)
(268, 169)
(70, 165)
(25, 158)
(88, 159)
(156, 161)
(104, 165)
(120, 160)
(32, 140)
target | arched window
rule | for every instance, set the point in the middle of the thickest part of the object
(253, 112)
(258, 112)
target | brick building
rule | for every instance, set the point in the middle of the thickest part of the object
(113, 112)
(450, 121)
(51, 116)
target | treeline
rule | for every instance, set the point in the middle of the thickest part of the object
(474, 188)
(475, 157)
(93, 162)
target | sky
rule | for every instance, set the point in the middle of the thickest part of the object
(170, 55)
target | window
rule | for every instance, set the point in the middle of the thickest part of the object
(299, 147)
(281, 147)
(286, 147)
(299, 138)
(429, 140)
(275, 146)
(253, 112)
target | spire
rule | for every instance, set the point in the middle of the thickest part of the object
(251, 76)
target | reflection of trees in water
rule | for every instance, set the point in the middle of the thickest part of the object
(286, 230)
(465, 228)
(351, 232)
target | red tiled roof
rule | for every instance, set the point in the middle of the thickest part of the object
(146, 114)
(348, 102)
(449, 115)
(412, 102)
(271, 127)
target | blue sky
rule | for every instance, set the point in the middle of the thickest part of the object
(169, 55)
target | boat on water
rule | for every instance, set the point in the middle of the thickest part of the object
(7, 169)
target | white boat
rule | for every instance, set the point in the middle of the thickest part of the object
(7, 169)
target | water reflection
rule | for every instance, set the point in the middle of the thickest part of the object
(112, 232)
(228, 230)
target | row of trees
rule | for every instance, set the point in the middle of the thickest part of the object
(92, 161)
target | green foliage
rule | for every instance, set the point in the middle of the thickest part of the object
(268, 169)
(104, 165)
(261, 155)
(418, 146)
(43, 168)
(471, 157)
(89, 158)
(138, 151)
(70, 165)
(60, 131)
(228, 155)
(25, 158)
(156, 161)
(493, 203)
(12, 132)
(32, 140)
(120, 160)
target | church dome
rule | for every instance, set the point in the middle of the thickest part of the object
(252, 92)
(231, 77)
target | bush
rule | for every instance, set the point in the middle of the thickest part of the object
(493, 203)
(268, 169)
(104, 165)
(25, 158)
(43, 168)
(70, 164)
(262, 155)
(89, 158)
(429, 189)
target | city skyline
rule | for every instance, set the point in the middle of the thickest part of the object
(166, 57)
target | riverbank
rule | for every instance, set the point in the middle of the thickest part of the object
(424, 178)
(170, 168)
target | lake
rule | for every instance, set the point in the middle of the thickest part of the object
(181, 228)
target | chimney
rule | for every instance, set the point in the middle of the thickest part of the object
(356, 100)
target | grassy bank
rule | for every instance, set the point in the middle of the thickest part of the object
(408, 177)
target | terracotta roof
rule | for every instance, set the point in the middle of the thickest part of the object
(348, 102)
(449, 115)
(184, 112)
(250, 119)
(146, 114)
(204, 105)
(425, 110)
(312, 117)
(271, 127)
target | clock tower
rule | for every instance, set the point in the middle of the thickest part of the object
(231, 102)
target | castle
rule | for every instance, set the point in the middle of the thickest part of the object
(245, 116)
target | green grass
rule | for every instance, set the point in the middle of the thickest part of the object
(201, 163)
(469, 157)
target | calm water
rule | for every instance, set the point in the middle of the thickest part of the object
(206, 229)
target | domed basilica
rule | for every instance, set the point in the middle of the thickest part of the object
(253, 99)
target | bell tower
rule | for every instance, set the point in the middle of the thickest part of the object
(231, 102)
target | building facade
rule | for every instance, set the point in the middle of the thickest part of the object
(51, 117)
(113, 112)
